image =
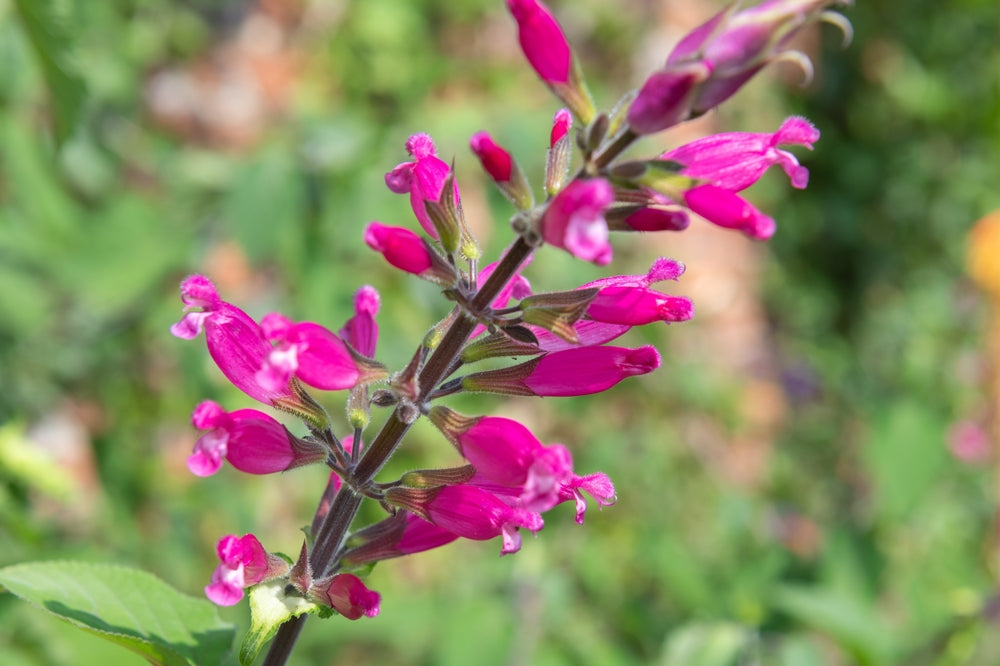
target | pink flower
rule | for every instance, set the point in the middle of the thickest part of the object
(361, 330)
(727, 209)
(666, 97)
(628, 300)
(575, 220)
(577, 371)
(542, 41)
(506, 453)
(736, 160)
(250, 440)
(423, 179)
(244, 563)
(347, 595)
(235, 342)
(402, 534)
(665, 217)
(469, 512)
(401, 247)
(308, 351)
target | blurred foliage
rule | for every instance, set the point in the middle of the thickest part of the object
(141, 140)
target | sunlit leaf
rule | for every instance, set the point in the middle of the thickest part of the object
(126, 606)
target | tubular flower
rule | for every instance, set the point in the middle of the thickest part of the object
(575, 220)
(347, 595)
(505, 452)
(361, 330)
(469, 512)
(243, 563)
(627, 299)
(736, 160)
(408, 252)
(577, 371)
(402, 534)
(250, 440)
(729, 210)
(423, 179)
(235, 341)
(312, 353)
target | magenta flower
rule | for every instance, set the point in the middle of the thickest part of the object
(361, 330)
(575, 220)
(347, 595)
(250, 440)
(577, 371)
(235, 342)
(666, 97)
(469, 512)
(408, 252)
(505, 452)
(310, 352)
(729, 210)
(402, 534)
(244, 563)
(597, 485)
(736, 160)
(657, 217)
(628, 300)
(423, 179)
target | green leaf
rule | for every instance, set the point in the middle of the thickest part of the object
(126, 606)
(51, 38)
(270, 607)
(706, 644)
(849, 620)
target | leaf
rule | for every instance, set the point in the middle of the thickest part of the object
(849, 620)
(270, 607)
(706, 644)
(126, 606)
(48, 31)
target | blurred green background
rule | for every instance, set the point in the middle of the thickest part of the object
(809, 479)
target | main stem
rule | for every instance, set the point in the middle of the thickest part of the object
(345, 506)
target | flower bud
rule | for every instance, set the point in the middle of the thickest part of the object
(547, 51)
(502, 168)
(347, 595)
(576, 371)
(409, 252)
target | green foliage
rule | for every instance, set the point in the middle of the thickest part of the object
(129, 607)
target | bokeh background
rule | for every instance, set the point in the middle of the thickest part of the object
(808, 481)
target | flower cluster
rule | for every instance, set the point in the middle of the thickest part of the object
(559, 341)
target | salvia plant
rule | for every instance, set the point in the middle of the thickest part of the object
(562, 342)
